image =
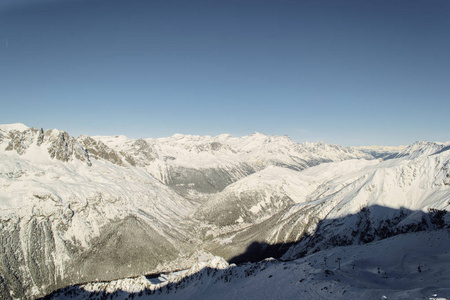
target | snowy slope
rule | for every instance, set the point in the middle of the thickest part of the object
(409, 266)
(195, 165)
(60, 214)
(421, 148)
(100, 208)
(392, 197)
(262, 195)
(350, 202)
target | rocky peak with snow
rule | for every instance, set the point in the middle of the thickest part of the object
(192, 165)
(186, 150)
(29, 142)
(421, 148)
(105, 207)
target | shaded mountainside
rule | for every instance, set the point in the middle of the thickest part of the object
(66, 220)
(86, 209)
(343, 191)
(407, 266)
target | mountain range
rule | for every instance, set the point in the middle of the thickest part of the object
(99, 209)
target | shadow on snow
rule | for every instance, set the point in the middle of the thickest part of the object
(256, 252)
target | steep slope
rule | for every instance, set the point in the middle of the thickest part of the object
(270, 191)
(407, 194)
(100, 208)
(367, 229)
(68, 217)
(419, 148)
(409, 266)
(195, 165)
(350, 202)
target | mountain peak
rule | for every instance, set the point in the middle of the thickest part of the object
(14, 126)
(256, 133)
(421, 148)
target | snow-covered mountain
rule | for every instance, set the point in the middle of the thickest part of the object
(408, 266)
(83, 209)
(333, 204)
(195, 165)
(68, 217)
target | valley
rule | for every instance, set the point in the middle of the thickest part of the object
(101, 209)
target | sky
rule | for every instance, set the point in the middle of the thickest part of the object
(343, 72)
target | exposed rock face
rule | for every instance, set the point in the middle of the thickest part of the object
(62, 147)
(191, 165)
(141, 153)
(27, 257)
(20, 141)
(129, 246)
(41, 137)
(99, 208)
(98, 150)
(31, 264)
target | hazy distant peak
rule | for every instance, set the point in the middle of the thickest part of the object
(421, 148)
(223, 136)
(14, 126)
(258, 134)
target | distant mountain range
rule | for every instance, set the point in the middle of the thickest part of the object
(76, 210)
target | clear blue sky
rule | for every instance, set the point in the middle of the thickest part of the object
(345, 72)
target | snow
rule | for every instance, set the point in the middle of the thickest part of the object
(199, 152)
(383, 148)
(387, 269)
(290, 188)
(114, 142)
(14, 126)
(82, 199)
(395, 183)
(421, 148)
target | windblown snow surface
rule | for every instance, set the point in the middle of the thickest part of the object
(172, 217)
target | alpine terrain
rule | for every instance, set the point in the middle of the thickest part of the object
(200, 217)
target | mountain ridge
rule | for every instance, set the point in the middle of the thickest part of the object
(89, 200)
